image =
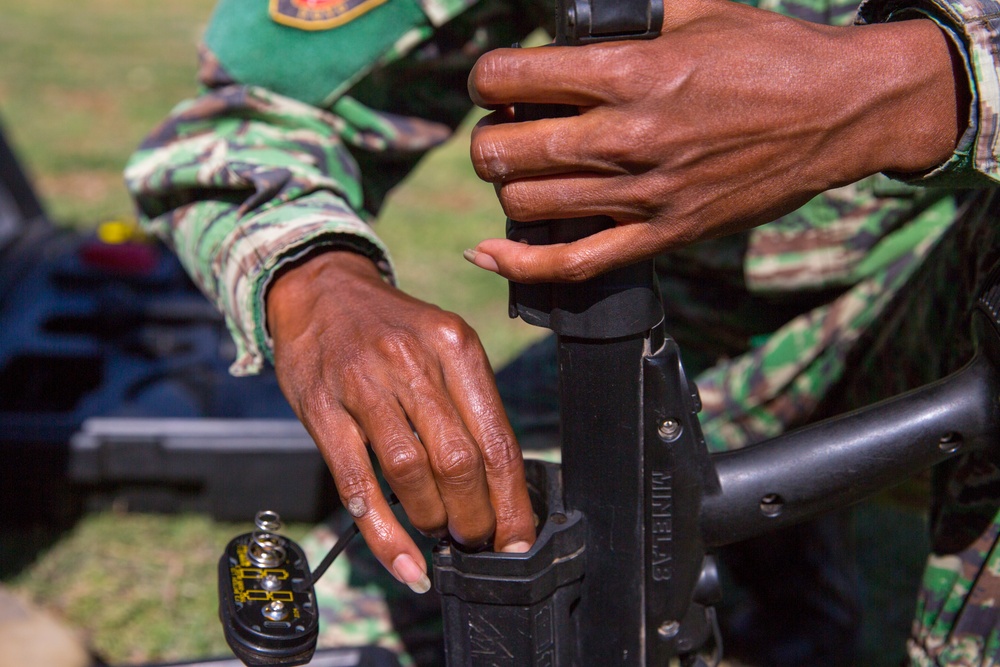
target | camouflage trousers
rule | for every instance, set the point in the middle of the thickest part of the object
(764, 364)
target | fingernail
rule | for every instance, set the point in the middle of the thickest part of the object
(516, 548)
(409, 573)
(482, 260)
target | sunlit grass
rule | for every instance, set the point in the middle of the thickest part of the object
(140, 587)
(82, 82)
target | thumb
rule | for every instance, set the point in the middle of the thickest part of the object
(559, 262)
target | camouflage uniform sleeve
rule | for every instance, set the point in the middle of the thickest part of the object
(243, 180)
(972, 26)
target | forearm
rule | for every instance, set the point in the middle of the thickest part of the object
(240, 182)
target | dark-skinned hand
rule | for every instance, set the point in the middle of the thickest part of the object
(733, 117)
(364, 365)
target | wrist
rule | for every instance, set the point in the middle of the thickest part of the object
(919, 100)
(294, 291)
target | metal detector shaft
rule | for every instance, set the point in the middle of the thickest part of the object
(602, 325)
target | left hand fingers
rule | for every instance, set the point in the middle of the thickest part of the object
(472, 386)
(573, 196)
(455, 460)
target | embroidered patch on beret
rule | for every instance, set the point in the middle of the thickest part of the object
(319, 14)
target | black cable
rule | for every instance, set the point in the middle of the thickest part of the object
(338, 548)
(717, 634)
(334, 552)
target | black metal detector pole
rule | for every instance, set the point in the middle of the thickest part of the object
(605, 327)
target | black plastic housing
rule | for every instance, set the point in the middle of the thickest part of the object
(586, 21)
(255, 639)
(227, 468)
(515, 610)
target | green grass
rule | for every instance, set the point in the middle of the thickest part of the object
(140, 587)
(82, 82)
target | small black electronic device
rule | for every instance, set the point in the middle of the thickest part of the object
(267, 603)
(266, 600)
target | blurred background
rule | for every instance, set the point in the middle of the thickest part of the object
(81, 87)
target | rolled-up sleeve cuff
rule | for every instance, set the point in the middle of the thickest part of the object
(272, 240)
(972, 26)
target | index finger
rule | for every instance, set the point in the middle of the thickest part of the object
(579, 75)
(359, 491)
(471, 383)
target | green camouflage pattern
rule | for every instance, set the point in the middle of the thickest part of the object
(241, 180)
(956, 619)
(778, 383)
(299, 186)
(861, 294)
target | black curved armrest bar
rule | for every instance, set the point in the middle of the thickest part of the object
(845, 459)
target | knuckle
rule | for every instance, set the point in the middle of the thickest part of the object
(356, 484)
(622, 76)
(630, 149)
(309, 403)
(403, 463)
(489, 156)
(458, 465)
(455, 334)
(315, 404)
(487, 71)
(516, 202)
(500, 452)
